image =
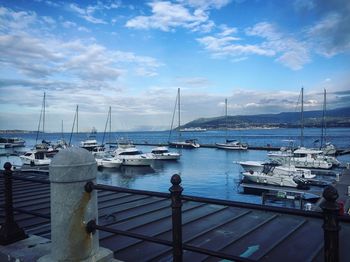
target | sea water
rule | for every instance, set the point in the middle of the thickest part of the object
(206, 172)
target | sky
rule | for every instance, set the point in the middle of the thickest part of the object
(132, 56)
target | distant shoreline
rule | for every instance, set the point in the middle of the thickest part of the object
(4, 132)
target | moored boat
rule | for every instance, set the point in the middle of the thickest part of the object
(163, 153)
(133, 157)
(35, 158)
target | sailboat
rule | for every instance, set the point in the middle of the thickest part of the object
(41, 153)
(230, 144)
(304, 157)
(189, 143)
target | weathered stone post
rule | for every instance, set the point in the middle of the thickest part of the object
(72, 208)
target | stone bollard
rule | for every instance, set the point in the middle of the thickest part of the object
(72, 208)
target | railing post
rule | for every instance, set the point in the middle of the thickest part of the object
(176, 204)
(10, 232)
(72, 207)
(331, 224)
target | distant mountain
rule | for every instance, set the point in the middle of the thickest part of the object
(339, 117)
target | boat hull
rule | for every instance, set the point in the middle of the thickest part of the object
(261, 178)
(183, 145)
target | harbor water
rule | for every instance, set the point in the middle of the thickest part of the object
(206, 172)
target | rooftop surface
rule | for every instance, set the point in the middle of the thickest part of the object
(260, 234)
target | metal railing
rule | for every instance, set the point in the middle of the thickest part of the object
(10, 232)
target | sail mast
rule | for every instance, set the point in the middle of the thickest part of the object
(302, 118)
(178, 106)
(323, 130)
(226, 118)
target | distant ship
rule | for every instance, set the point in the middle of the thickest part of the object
(193, 129)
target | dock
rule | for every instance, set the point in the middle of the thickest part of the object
(255, 232)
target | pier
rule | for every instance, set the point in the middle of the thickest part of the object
(138, 225)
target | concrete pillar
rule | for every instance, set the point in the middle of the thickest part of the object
(72, 208)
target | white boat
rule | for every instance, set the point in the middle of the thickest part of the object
(268, 177)
(232, 145)
(193, 129)
(89, 144)
(274, 179)
(163, 153)
(108, 161)
(189, 143)
(11, 142)
(229, 143)
(35, 158)
(258, 166)
(133, 157)
(305, 158)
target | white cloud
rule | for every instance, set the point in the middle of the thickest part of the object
(331, 34)
(167, 16)
(87, 13)
(206, 4)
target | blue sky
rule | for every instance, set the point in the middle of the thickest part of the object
(133, 55)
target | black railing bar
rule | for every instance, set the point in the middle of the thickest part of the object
(166, 206)
(262, 223)
(23, 211)
(203, 232)
(46, 198)
(162, 218)
(117, 202)
(283, 210)
(29, 192)
(37, 206)
(107, 197)
(169, 243)
(22, 178)
(132, 191)
(282, 238)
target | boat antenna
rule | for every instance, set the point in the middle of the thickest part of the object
(62, 136)
(44, 106)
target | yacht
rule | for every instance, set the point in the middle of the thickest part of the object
(108, 161)
(232, 145)
(35, 158)
(189, 144)
(163, 153)
(131, 156)
(269, 177)
(89, 144)
(305, 158)
(258, 166)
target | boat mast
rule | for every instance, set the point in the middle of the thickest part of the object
(178, 106)
(62, 137)
(41, 115)
(302, 118)
(110, 125)
(323, 130)
(75, 118)
(226, 118)
(44, 104)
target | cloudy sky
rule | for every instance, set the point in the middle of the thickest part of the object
(133, 55)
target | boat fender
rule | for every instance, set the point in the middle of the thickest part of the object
(251, 172)
(265, 181)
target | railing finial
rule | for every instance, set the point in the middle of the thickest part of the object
(10, 232)
(176, 204)
(330, 226)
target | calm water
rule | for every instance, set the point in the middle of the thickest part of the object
(207, 172)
